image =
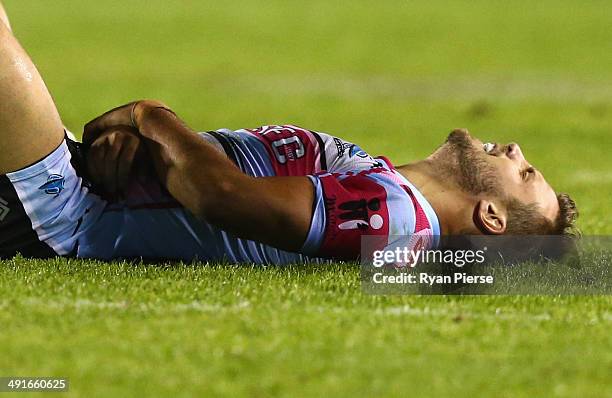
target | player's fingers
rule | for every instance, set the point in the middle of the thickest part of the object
(120, 116)
(109, 166)
(141, 164)
(125, 162)
(95, 158)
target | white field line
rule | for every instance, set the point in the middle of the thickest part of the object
(499, 314)
(245, 306)
(592, 176)
(86, 304)
(468, 88)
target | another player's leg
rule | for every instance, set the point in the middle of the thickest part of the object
(30, 126)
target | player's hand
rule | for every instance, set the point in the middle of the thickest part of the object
(128, 115)
(113, 157)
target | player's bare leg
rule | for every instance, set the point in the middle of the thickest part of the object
(30, 126)
(3, 17)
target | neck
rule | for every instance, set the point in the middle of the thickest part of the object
(452, 205)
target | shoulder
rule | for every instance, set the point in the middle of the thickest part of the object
(329, 152)
(344, 156)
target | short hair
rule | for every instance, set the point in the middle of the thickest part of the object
(526, 219)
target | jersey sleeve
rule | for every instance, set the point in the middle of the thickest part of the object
(295, 151)
(347, 206)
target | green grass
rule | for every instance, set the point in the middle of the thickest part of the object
(394, 76)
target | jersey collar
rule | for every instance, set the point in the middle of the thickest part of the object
(429, 211)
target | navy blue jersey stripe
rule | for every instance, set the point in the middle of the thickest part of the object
(322, 150)
(227, 147)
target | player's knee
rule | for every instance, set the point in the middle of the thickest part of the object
(4, 20)
(5, 32)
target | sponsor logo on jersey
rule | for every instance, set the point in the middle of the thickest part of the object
(357, 151)
(4, 209)
(54, 185)
(353, 150)
(356, 213)
(341, 146)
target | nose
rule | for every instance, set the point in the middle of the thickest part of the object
(513, 151)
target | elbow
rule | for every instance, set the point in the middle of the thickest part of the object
(214, 201)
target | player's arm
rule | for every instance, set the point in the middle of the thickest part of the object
(274, 210)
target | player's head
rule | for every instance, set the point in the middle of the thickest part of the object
(512, 196)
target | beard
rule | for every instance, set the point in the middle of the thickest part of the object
(459, 160)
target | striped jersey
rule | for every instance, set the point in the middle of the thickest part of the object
(50, 209)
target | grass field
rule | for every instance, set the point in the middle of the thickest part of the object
(393, 76)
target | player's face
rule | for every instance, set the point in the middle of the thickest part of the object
(493, 167)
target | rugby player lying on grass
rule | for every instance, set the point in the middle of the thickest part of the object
(276, 194)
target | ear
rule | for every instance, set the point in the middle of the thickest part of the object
(490, 218)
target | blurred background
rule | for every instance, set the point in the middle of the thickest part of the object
(393, 76)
